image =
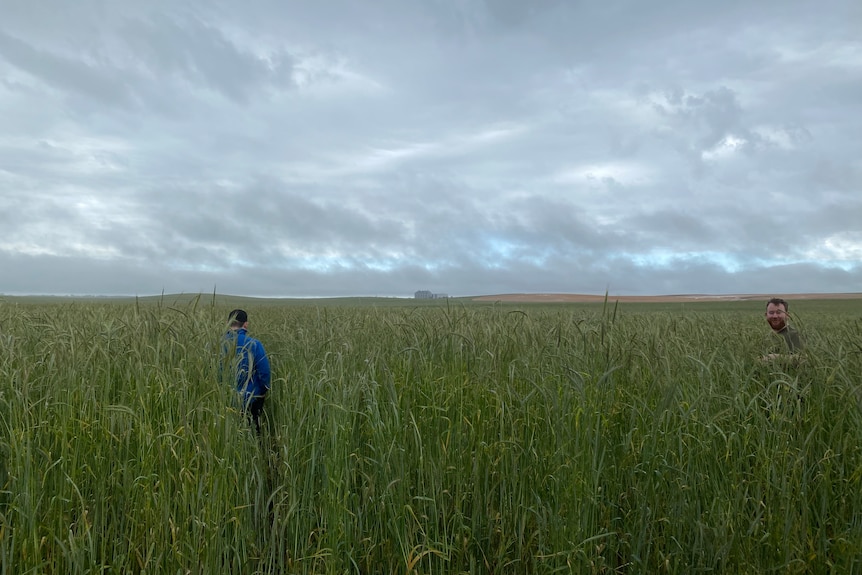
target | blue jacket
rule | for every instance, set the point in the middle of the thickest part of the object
(251, 365)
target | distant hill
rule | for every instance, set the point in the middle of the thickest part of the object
(587, 298)
(247, 301)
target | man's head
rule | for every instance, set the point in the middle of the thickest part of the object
(237, 318)
(776, 313)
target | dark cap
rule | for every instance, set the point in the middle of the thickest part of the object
(238, 316)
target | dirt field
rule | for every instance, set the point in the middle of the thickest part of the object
(585, 298)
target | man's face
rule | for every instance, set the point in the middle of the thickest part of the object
(776, 315)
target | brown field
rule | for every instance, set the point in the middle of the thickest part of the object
(586, 298)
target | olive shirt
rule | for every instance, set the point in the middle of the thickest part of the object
(784, 370)
(791, 338)
(784, 345)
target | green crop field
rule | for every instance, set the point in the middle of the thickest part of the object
(430, 437)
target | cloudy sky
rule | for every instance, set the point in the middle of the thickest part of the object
(335, 147)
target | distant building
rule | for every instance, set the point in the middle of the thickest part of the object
(425, 294)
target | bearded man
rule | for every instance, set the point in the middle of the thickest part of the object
(777, 318)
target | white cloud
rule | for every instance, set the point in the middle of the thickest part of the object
(625, 173)
(844, 249)
(729, 146)
(776, 136)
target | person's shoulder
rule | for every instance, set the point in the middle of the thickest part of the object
(256, 347)
(788, 330)
(792, 330)
(246, 338)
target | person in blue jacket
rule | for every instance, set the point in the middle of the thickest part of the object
(248, 361)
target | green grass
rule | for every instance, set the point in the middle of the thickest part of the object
(433, 437)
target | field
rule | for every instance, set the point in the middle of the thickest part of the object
(441, 436)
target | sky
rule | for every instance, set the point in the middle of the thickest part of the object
(292, 148)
